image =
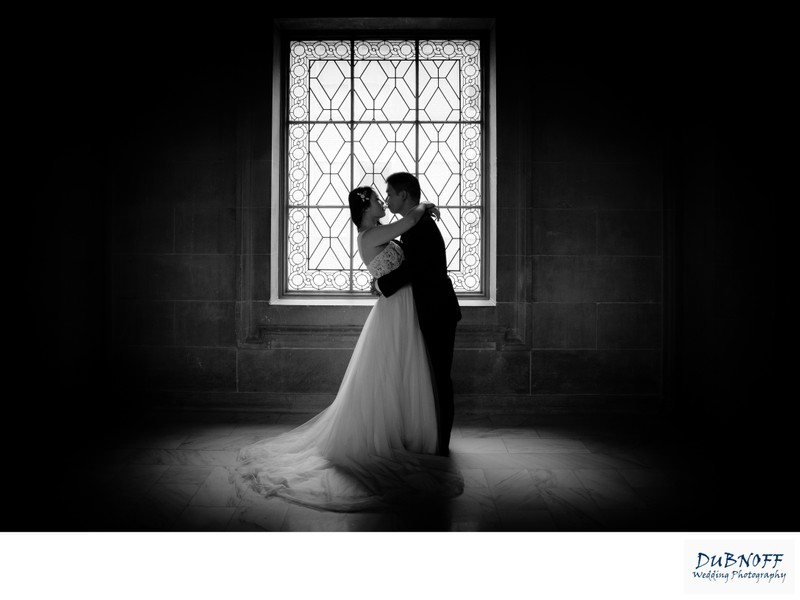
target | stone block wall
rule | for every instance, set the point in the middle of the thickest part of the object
(622, 281)
(578, 323)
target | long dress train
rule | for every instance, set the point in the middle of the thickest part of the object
(375, 445)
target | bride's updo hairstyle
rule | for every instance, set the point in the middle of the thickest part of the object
(359, 201)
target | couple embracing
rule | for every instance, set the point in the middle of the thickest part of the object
(385, 437)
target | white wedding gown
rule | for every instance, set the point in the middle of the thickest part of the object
(375, 445)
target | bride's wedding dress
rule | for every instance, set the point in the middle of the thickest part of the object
(375, 444)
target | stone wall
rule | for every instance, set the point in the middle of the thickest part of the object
(621, 278)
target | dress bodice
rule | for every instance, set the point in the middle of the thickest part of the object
(387, 260)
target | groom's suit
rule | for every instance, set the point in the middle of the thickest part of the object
(425, 267)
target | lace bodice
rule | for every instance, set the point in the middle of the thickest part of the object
(387, 260)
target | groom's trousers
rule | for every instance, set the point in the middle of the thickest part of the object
(439, 340)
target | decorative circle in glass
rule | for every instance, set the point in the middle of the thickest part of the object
(361, 280)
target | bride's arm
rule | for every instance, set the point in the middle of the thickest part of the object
(383, 234)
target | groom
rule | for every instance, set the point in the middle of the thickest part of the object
(425, 267)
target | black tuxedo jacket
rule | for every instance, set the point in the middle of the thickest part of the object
(425, 268)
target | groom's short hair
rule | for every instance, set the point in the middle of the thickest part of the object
(405, 182)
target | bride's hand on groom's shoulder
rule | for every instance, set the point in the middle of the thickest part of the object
(432, 210)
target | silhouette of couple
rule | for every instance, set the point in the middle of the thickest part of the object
(385, 438)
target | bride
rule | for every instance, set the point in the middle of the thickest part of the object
(375, 444)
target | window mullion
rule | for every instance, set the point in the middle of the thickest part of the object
(416, 108)
(352, 153)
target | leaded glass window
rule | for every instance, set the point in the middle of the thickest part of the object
(358, 110)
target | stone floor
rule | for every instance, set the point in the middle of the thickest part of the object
(522, 473)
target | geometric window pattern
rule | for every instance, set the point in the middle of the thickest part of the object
(359, 110)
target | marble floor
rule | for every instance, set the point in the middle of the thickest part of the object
(522, 473)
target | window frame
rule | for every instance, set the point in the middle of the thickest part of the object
(278, 293)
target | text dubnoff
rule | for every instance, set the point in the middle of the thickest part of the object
(723, 565)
